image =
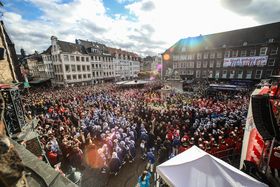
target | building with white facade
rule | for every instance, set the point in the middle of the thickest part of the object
(101, 60)
(70, 62)
(126, 64)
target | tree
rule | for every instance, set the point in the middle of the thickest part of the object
(22, 52)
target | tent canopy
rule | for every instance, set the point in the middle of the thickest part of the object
(196, 168)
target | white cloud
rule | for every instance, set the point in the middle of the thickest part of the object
(158, 24)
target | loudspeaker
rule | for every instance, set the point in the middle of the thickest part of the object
(264, 117)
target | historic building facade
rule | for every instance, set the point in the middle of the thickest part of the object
(126, 64)
(250, 53)
(86, 62)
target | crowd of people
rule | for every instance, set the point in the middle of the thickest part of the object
(103, 126)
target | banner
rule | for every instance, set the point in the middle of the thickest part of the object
(253, 143)
(245, 61)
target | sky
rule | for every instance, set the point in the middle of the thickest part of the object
(146, 27)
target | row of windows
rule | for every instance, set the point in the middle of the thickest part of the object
(97, 74)
(227, 54)
(79, 76)
(126, 57)
(230, 74)
(74, 68)
(86, 59)
(210, 64)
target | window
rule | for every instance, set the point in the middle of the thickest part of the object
(268, 73)
(252, 52)
(211, 64)
(249, 74)
(190, 57)
(227, 54)
(205, 55)
(82, 59)
(240, 74)
(88, 76)
(87, 59)
(204, 74)
(258, 74)
(263, 51)
(235, 53)
(83, 67)
(198, 64)
(274, 51)
(198, 56)
(231, 75)
(73, 68)
(219, 54)
(79, 76)
(88, 67)
(176, 57)
(271, 62)
(217, 74)
(243, 53)
(218, 63)
(72, 58)
(93, 74)
(210, 74)
(68, 77)
(75, 77)
(197, 74)
(191, 64)
(78, 68)
(224, 74)
(84, 76)
(65, 57)
(212, 55)
(189, 72)
(205, 64)
(183, 57)
(67, 68)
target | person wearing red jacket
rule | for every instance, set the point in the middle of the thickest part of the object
(275, 161)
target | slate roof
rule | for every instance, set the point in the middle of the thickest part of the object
(88, 45)
(48, 51)
(253, 35)
(71, 47)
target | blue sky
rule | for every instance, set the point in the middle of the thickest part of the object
(146, 27)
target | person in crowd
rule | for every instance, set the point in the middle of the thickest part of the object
(151, 160)
(144, 179)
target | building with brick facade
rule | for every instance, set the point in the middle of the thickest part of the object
(250, 53)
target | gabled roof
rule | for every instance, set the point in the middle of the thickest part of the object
(48, 51)
(88, 45)
(252, 35)
(71, 47)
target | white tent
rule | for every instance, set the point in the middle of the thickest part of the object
(196, 168)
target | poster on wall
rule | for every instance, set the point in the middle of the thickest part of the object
(245, 61)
